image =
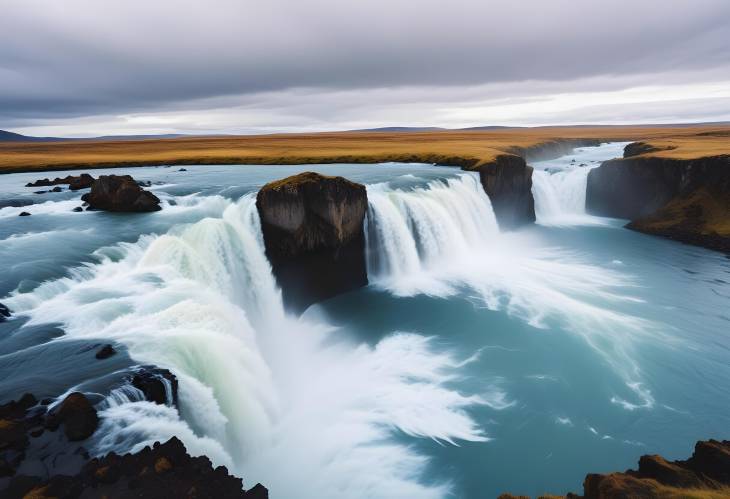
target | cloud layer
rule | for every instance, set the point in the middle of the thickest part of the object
(89, 67)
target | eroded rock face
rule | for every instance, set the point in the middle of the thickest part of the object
(685, 200)
(508, 183)
(313, 228)
(120, 193)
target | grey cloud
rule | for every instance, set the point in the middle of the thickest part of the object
(85, 57)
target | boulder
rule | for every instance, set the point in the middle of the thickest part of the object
(4, 312)
(508, 182)
(77, 415)
(313, 229)
(105, 352)
(120, 193)
(24, 214)
(158, 385)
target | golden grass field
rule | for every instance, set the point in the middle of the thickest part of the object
(459, 148)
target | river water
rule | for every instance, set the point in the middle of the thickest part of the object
(476, 362)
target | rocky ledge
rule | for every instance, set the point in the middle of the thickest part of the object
(704, 475)
(120, 193)
(42, 455)
(508, 182)
(313, 229)
(687, 200)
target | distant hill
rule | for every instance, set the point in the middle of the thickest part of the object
(6, 136)
(16, 137)
(401, 129)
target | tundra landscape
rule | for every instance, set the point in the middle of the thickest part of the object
(387, 250)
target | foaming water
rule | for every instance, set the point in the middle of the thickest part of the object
(280, 400)
(442, 239)
(559, 185)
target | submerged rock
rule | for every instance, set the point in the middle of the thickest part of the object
(120, 193)
(4, 312)
(508, 183)
(313, 228)
(105, 352)
(24, 214)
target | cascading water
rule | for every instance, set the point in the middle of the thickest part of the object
(560, 197)
(277, 399)
(438, 239)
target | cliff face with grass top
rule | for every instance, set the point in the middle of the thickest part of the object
(685, 198)
(313, 228)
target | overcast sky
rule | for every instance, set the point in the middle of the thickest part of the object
(95, 67)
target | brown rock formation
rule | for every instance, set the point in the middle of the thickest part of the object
(75, 182)
(313, 232)
(120, 193)
(508, 183)
(683, 199)
(705, 475)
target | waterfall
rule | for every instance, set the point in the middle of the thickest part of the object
(410, 232)
(560, 196)
(279, 400)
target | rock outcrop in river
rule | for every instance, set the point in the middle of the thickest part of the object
(120, 193)
(313, 228)
(683, 199)
(74, 182)
(508, 183)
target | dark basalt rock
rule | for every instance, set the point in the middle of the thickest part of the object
(508, 183)
(686, 200)
(163, 470)
(56, 189)
(77, 415)
(75, 182)
(24, 214)
(313, 228)
(105, 352)
(4, 312)
(120, 193)
(78, 209)
(152, 382)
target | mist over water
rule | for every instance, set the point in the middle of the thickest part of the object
(473, 354)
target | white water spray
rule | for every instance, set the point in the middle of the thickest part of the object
(277, 399)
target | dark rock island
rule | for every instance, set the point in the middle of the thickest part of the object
(120, 193)
(313, 228)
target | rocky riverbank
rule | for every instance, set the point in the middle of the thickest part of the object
(44, 453)
(687, 200)
(705, 475)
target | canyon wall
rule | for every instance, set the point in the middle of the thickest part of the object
(687, 200)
